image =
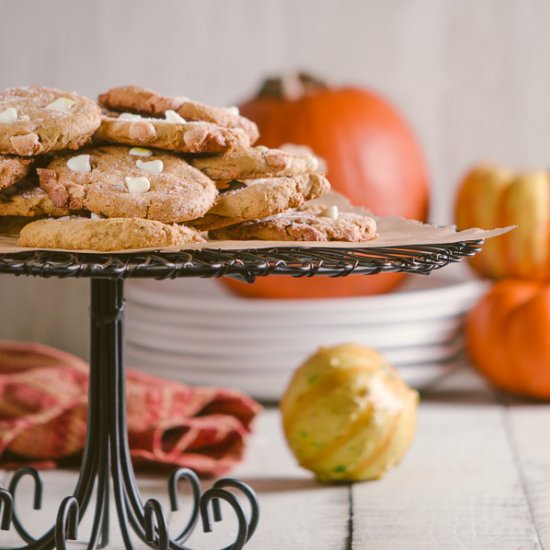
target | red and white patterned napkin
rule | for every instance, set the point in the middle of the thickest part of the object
(43, 408)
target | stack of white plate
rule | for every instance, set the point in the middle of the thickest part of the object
(195, 331)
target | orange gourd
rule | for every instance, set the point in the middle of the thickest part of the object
(491, 197)
(372, 157)
(508, 337)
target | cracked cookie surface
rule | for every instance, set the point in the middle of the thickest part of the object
(181, 137)
(36, 120)
(259, 198)
(307, 225)
(28, 201)
(14, 169)
(256, 162)
(116, 183)
(76, 233)
(149, 103)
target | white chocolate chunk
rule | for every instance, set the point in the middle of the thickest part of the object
(61, 104)
(25, 118)
(257, 181)
(129, 116)
(8, 115)
(330, 212)
(140, 152)
(96, 216)
(319, 165)
(138, 185)
(153, 166)
(80, 163)
(172, 116)
(234, 110)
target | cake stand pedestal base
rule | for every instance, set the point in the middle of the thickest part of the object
(106, 464)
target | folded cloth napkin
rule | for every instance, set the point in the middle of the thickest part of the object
(43, 408)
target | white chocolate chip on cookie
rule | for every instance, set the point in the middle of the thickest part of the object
(140, 152)
(153, 166)
(129, 116)
(234, 110)
(330, 212)
(80, 163)
(60, 104)
(138, 185)
(172, 116)
(8, 115)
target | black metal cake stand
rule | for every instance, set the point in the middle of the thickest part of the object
(106, 466)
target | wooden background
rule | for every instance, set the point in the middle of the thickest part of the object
(471, 76)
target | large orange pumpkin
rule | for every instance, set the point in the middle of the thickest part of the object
(491, 197)
(372, 157)
(508, 337)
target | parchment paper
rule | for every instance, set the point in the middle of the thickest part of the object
(391, 231)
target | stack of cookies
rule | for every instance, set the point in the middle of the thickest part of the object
(141, 170)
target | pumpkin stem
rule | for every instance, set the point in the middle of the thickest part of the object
(290, 86)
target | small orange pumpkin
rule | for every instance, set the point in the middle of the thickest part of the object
(491, 197)
(508, 337)
(372, 156)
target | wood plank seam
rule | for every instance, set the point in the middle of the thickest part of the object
(349, 537)
(505, 408)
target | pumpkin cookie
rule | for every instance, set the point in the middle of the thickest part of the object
(183, 137)
(149, 103)
(13, 170)
(119, 182)
(256, 162)
(259, 198)
(37, 120)
(28, 202)
(75, 233)
(317, 223)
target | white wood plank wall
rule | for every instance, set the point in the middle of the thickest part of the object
(471, 76)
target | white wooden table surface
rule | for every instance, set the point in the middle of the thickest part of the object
(476, 477)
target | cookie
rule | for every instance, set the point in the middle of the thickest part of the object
(314, 224)
(256, 162)
(22, 200)
(13, 170)
(259, 198)
(182, 137)
(36, 120)
(119, 182)
(75, 233)
(149, 103)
